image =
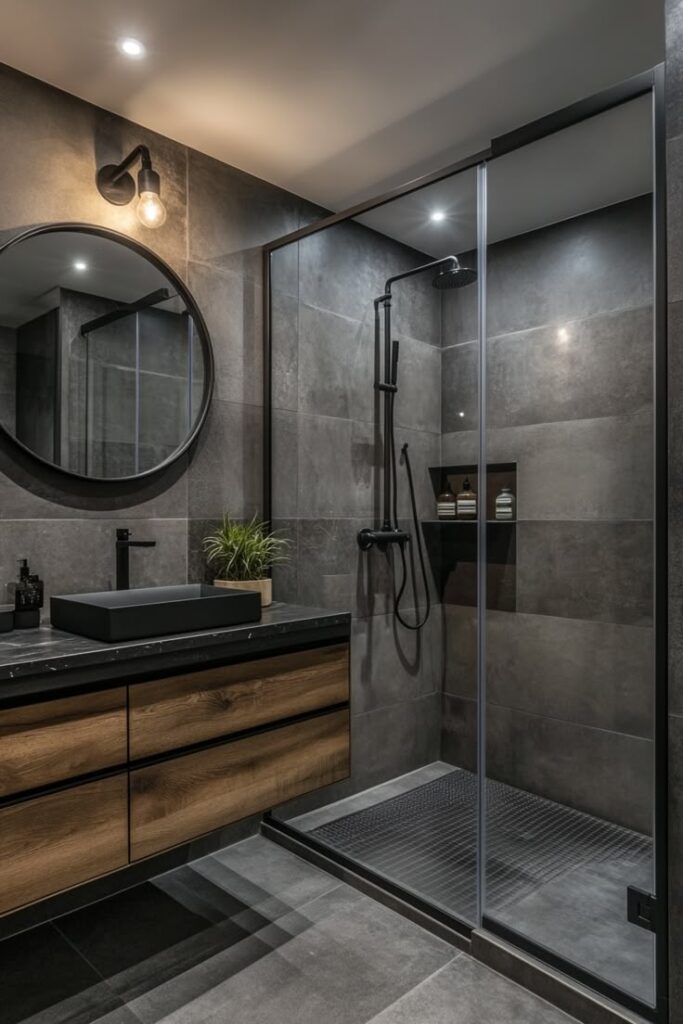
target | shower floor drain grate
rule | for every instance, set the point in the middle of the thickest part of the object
(425, 839)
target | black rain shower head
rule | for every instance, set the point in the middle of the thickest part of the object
(454, 276)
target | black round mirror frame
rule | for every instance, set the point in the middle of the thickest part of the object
(200, 325)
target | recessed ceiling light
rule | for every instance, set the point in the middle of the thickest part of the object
(437, 215)
(563, 334)
(80, 265)
(461, 414)
(132, 47)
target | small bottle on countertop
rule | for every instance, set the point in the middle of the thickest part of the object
(445, 503)
(505, 504)
(28, 598)
(466, 501)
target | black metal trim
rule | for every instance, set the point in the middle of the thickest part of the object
(159, 295)
(200, 325)
(582, 110)
(267, 392)
(661, 769)
(568, 967)
(373, 877)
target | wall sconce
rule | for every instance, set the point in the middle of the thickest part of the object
(116, 185)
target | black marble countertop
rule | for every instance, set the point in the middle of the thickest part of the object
(47, 662)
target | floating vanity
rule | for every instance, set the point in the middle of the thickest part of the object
(110, 754)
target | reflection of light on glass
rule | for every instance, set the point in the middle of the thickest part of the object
(80, 265)
(437, 216)
(461, 414)
(563, 334)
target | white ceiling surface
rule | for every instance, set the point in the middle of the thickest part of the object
(596, 163)
(333, 99)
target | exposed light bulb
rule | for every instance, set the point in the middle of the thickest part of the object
(437, 216)
(80, 265)
(132, 47)
(151, 211)
(563, 334)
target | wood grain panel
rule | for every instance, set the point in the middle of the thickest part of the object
(176, 800)
(59, 739)
(199, 706)
(59, 840)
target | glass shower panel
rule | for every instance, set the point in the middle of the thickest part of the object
(105, 444)
(408, 813)
(569, 672)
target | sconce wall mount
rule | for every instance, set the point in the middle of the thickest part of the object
(117, 186)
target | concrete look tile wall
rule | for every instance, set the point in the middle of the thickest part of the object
(326, 462)
(218, 217)
(570, 673)
(674, 134)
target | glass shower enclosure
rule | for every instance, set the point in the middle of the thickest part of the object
(507, 764)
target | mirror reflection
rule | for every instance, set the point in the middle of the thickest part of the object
(102, 366)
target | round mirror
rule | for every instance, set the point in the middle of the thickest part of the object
(105, 362)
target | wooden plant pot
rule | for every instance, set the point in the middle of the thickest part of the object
(264, 587)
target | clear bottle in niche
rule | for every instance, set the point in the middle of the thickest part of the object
(445, 503)
(505, 504)
(466, 501)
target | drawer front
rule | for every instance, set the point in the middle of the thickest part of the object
(199, 706)
(59, 840)
(176, 800)
(59, 739)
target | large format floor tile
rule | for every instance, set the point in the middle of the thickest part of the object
(250, 935)
(466, 992)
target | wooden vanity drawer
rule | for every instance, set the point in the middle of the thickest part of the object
(58, 840)
(199, 706)
(59, 739)
(176, 800)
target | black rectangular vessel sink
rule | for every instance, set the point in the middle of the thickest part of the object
(116, 615)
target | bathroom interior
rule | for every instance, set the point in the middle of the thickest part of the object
(423, 759)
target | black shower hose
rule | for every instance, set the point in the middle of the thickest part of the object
(419, 623)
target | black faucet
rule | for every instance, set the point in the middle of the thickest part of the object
(123, 546)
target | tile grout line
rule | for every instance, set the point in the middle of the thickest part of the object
(415, 988)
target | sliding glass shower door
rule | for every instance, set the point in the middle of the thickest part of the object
(568, 682)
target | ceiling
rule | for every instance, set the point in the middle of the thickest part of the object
(335, 100)
(604, 160)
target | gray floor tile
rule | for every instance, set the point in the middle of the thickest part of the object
(466, 992)
(341, 958)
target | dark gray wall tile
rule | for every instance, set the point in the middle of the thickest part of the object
(234, 213)
(336, 365)
(225, 474)
(586, 570)
(393, 740)
(391, 664)
(674, 209)
(284, 351)
(591, 673)
(231, 304)
(459, 732)
(336, 460)
(603, 368)
(418, 402)
(285, 462)
(604, 773)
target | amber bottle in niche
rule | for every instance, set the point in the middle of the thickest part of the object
(466, 501)
(445, 503)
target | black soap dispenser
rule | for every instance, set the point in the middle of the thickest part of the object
(28, 598)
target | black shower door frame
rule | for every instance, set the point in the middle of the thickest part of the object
(648, 82)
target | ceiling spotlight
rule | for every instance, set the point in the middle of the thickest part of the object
(461, 414)
(80, 265)
(563, 334)
(116, 185)
(437, 216)
(132, 48)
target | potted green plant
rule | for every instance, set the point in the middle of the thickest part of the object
(242, 554)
